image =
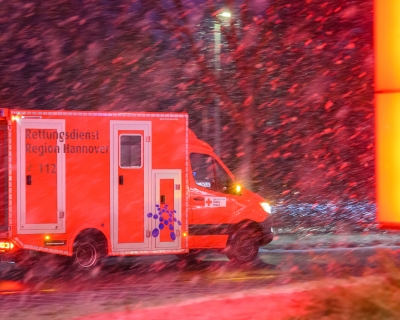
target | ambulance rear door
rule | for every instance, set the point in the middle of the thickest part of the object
(41, 176)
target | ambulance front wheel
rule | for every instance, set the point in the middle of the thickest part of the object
(242, 246)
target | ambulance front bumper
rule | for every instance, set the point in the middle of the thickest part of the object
(267, 231)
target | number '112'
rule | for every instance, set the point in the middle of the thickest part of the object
(47, 168)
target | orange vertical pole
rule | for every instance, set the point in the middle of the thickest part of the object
(387, 110)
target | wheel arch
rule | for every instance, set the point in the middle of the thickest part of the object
(87, 232)
(246, 224)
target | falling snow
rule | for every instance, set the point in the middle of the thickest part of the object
(291, 82)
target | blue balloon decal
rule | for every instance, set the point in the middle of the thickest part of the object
(155, 233)
(164, 222)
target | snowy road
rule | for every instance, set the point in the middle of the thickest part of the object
(46, 292)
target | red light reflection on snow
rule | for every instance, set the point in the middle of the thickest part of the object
(9, 287)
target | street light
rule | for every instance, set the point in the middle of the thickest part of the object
(225, 14)
(217, 63)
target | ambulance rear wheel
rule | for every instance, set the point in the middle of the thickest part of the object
(242, 246)
(88, 253)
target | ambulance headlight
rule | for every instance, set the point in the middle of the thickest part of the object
(266, 207)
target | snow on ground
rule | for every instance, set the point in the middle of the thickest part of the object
(287, 302)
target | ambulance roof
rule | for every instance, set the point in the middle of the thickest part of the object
(193, 140)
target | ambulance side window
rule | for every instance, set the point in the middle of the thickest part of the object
(208, 173)
(130, 151)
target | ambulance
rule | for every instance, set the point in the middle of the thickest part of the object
(95, 184)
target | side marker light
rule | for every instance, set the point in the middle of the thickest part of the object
(238, 189)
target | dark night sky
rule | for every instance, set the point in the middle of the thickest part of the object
(307, 63)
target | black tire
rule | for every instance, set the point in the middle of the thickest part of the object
(88, 253)
(242, 246)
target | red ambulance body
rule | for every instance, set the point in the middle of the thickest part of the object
(91, 184)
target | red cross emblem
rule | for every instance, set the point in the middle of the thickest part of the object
(208, 202)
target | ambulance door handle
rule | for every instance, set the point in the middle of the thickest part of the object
(29, 180)
(198, 199)
(121, 180)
